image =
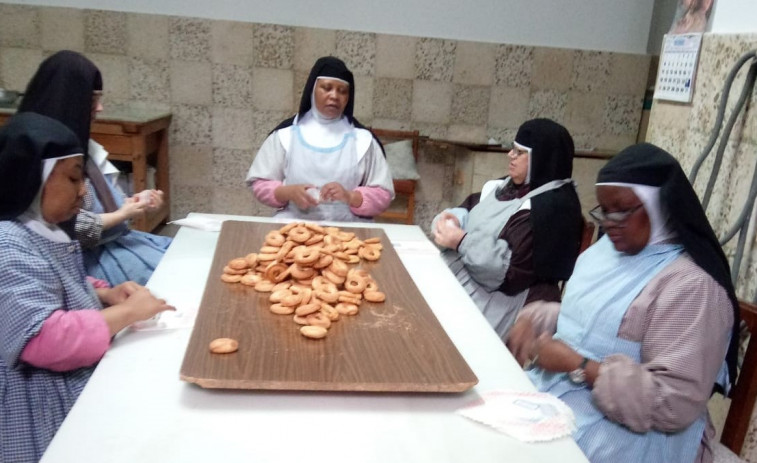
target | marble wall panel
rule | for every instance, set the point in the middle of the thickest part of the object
(470, 104)
(474, 63)
(514, 66)
(395, 56)
(18, 65)
(358, 51)
(148, 36)
(61, 28)
(191, 82)
(273, 46)
(230, 167)
(435, 59)
(19, 26)
(192, 164)
(114, 70)
(392, 98)
(189, 39)
(231, 42)
(149, 80)
(311, 44)
(105, 32)
(232, 85)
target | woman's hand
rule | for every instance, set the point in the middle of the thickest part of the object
(152, 199)
(137, 306)
(296, 194)
(132, 207)
(117, 294)
(334, 191)
(554, 355)
(448, 232)
(522, 341)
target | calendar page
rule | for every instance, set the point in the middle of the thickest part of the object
(678, 67)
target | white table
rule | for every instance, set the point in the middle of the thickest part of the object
(135, 408)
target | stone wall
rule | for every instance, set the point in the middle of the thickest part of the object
(229, 83)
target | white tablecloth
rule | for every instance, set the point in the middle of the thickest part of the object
(135, 408)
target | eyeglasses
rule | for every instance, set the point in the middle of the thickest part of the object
(618, 217)
(515, 153)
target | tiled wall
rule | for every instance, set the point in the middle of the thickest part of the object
(229, 83)
(684, 129)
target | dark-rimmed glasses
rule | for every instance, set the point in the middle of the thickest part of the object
(617, 217)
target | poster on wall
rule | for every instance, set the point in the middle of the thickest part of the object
(692, 16)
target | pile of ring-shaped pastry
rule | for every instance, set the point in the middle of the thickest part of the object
(306, 268)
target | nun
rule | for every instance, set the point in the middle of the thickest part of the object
(647, 327)
(53, 327)
(322, 164)
(69, 87)
(513, 242)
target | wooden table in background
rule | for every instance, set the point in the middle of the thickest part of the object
(139, 137)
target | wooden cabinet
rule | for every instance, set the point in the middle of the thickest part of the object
(140, 137)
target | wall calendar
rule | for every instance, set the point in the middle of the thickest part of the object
(678, 67)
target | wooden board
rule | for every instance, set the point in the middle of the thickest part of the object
(394, 346)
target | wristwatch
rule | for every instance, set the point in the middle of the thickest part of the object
(578, 376)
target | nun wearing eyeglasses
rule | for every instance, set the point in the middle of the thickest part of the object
(513, 242)
(54, 326)
(68, 87)
(647, 327)
(322, 164)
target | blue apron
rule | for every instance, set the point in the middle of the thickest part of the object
(603, 286)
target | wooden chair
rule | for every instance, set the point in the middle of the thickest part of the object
(587, 236)
(744, 392)
(403, 188)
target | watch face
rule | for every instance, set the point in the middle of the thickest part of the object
(577, 376)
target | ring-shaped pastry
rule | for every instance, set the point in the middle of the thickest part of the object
(274, 238)
(374, 296)
(327, 293)
(332, 277)
(306, 256)
(278, 295)
(355, 284)
(369, 253)
(276, 272)
(339, 268)
(251, 279)
(319, 319)
(299, 234)
(227, 278)
(240, 263)
(346, 309)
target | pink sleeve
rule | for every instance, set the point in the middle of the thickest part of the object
(263, 190)
(98, 283)
(375, 201)
(68, 340)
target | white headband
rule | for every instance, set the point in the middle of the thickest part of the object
(528, 150)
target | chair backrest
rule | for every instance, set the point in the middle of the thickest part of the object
(587, 236)
(403, 189)
(389, 136)
(745, 391)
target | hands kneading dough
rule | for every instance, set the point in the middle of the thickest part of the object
(307, 270)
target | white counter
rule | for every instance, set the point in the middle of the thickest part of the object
(135, 408)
